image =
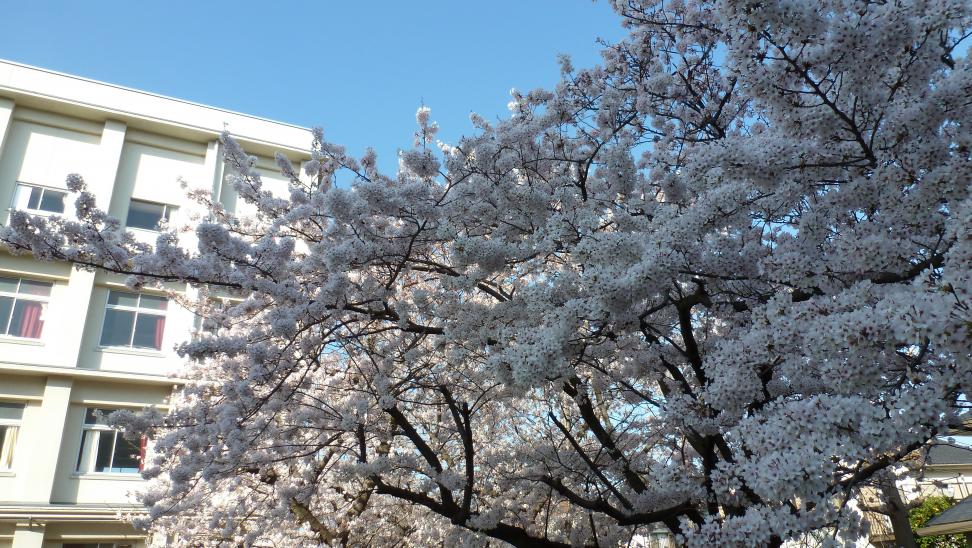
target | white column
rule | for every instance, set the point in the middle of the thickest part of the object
(214, 167)
(81, 282)
(41, 467)
(112, 141)
(6, 119)
(6, 115)
(28, 535)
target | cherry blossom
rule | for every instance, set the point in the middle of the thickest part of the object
(713, 285)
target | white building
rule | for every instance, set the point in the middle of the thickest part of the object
(73, 342)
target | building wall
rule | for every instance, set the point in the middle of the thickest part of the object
(127, 145)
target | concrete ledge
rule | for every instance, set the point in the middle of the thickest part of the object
(43, 513)
(81, 373)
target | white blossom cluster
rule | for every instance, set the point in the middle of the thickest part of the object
(714, 284)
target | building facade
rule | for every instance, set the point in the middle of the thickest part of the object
(76, 344)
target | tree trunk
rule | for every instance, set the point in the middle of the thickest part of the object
(904, 537)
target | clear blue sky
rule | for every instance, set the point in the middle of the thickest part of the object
(357, 69)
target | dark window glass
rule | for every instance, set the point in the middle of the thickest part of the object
(8, 285)
(105, 443)
(26, 319)
(6, 305)
(144, 215)
(96, 416)
(11, 411)
(127, 455)
(155, 303)
(52, 201)
(31, 287)
(22, 317)
(148, 331)
(121, 298)
(117, 330)
(35, 197)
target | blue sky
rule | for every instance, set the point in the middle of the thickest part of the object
(357, 69)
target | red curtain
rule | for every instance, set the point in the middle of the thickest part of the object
(31, 323)
(159, 329)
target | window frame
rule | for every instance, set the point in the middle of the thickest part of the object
(17, 424)
(96, 442)
(167, 210)
(16, 295)
(219, 305)
(44, 189)
(137, 309)
(108, 544)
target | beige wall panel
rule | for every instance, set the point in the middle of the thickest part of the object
(195, 148)
(153, 174)
(52, 153)
(273, 181)
(105, 392)
(21, 387)
(60, 120)
(24, 265)
(44, 155)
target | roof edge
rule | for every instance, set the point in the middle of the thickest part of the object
(149, 93)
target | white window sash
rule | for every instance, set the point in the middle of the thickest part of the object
(26, 296)
(18, 296)
(137, 309)
(124, 308)
(5, 322)
(92, 434)
(90, 439)
(90, 442)
(131, 334)
(166, 217)
(21, 198)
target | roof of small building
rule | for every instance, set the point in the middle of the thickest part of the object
(943, 453)
(956, 514)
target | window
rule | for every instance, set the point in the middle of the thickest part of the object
(39, 199)
(105, 450)
(208, 318)
(22, 305)
(134, 320)
(10, 417)
(147, 215)
(97, 545)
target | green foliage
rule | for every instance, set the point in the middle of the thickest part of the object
(922, 514)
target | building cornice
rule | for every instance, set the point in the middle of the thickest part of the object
(43, 513)
(82, 373)
(85, 98)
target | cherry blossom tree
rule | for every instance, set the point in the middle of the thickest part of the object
(714, 285)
